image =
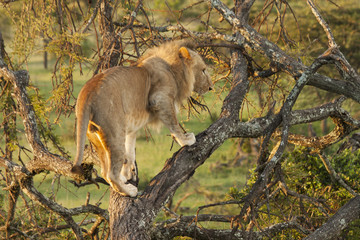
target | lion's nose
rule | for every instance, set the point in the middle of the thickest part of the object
(211, 88)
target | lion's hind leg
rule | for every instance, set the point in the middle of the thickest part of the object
(111, 153)
(110, 147)
(97, 137)
(129, 169)
(116, 177)
(116, 163)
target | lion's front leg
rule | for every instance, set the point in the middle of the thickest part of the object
(164, 108)
(170, 120)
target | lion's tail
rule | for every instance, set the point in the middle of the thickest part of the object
(82, 122)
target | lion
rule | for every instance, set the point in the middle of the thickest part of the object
(113, 105)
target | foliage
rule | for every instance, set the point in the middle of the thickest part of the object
(38, 29)
(317, 193)
(347, 164)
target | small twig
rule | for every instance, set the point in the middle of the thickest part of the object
(132, 16)
(171, 212)
(177, 205)
(192, 102)
(333, 173)
(87, 199)
(316, 202)
(94, 181)
(94, 228)
(219, 204)
(182, 28)
(90, 21)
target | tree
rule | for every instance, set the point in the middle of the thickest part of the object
(250, 52)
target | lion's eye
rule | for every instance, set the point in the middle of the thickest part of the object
(204, 71)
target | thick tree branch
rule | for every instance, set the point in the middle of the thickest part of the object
(44, 160)
(339, 221)
(344, 125)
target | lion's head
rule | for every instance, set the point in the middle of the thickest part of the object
(187, 66)
(203, 81)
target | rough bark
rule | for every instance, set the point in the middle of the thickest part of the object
(130, 218)
(111, 42)
(190, 229)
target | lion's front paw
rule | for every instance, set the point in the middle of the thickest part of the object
(190, 137)
(188, 140)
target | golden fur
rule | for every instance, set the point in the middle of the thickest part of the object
(115, 104)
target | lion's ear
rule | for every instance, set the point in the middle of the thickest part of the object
(184, 52)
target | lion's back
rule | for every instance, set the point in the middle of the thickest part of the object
(117, 93)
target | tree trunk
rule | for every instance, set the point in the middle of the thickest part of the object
(130, 218)
(111, 45)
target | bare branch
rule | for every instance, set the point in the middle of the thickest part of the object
(91, 19)
(286, 63)
(27, 187)
(61, 227)
(66, 214)
(320, 19)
